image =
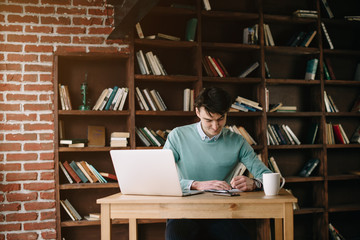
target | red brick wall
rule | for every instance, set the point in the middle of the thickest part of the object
(30, 32)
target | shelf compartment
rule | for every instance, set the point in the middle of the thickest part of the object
(287, 7)
(341, 162)
(342, 194)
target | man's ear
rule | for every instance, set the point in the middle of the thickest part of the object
(197, 112)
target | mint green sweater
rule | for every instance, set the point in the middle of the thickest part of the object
(203, 160)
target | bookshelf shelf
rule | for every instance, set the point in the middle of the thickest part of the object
(165, 113)
(292, 81)
(165, 43)
(232, 80)
(88, 186)
(302, 211)
(93, 113)
(89, 149)
(294, 114)
(168, 79)
(294, 179)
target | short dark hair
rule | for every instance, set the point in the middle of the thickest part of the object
(214, 100)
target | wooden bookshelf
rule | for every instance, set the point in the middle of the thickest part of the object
(329, 195)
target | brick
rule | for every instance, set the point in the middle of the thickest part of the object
(71, 30)
(10, 107)
(37, 68)
(100, 30)
(22, 38)
(46, 78)
(39, 10)
(9, 207)
(21, 156)
(46, 58)
(2, 218)
(10, 227)
(40, 48)
(55, 39)
(38, 107)
(4, 147)
(20, 217)
(9, 187)
(87, 21)
(88, 40)
(98, 11)
(10, 48)
(22, 19)
(48, 215)
(39, 226)
(21, 97)
(39, 166)
(20, 136)
(22, 58)
(56, 20)
(47, 195)
(21, 117)
(87, 3)
(10, 67)
(47, 176)
(39, 29)
(30, 78)
(71, 11)
(10, 167)
(38, 126)
(46, 136)
(11, 28)
(38, 87)
(69, 49)
(48, 235)
(20, 176)
(38, 146)
(14, 78)
(21, 197)
(11, 8)
(56, 2)
(39, 186)
(103, 49)
(22, 236)
(25, 1)
(45, 98)
(39, 205)
(9, 87)
(46, 156)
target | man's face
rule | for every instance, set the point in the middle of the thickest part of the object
(212, 123)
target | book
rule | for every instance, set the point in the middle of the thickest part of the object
(100, 99)
(150, 135)
(142, 99)
(108, 175)
(152, 62)
(357, 72)
(309, 167)
(269, 35)
(327, 35)
(96, 136)
(88, 171)
(215, 66)
(71, 171)
(275, 107)
(311, 67)
(274, 165)
(308, 38)
(186, 99)
(326, 72)
(120, 135)
(67, 97)
(78, 145)
(76, 169)
(120, 107)
(65, 172)
(249, 70)
(162, 103)
(207, 5)
(139, 30)
(190, 31)
(106, 98)
(157, 100)
(144, 62)
(312, 133)
(143, 139)
(72, 141)
(82, 169)
(330, 68)
(292, 134)
(150, 99)
(72, 209)
(305, 13)
(141, 64)
(325, 4)
(67, 210)
(116, 100)
(289, 138)
(286, 109)
(356, 105)
(337, 134)
(168, 37)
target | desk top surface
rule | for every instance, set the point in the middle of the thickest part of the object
(245, 197)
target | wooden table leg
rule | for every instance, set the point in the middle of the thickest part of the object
(105, 222)
(288, 222)
(279, 228)
(132, 229)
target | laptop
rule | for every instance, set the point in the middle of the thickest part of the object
(148, 172)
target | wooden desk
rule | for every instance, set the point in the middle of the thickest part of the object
(249, 205)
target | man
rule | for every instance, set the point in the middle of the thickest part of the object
(206, 153)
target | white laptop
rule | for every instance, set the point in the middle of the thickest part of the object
(147, 172)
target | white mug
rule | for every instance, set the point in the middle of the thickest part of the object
(271, 183)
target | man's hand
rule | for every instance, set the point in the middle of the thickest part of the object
(243, 183)
(213, 184)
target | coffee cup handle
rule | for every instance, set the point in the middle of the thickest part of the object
(283, 182)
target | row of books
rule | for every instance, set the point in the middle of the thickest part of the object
(335, 134)
(302, 13)
(242, 131)
(64, 97)
(119, 139)
(150, 100)
(149, 63)
(245, 105)
(329, 103)
(111, 99)
(334, 233)
(307, 169)
(250, 35)
(283, 135)
(190, 29)
(70, 210)
(311, 68)
(214, 67)
(188, 100)
(81, 172)
(280, 107)
(328, 70)
(150, 137)
(302, 39)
